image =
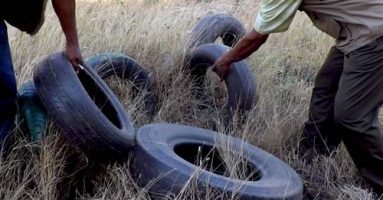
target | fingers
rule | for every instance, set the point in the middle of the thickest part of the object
(73, 54)
(217, 71)
(77, 70)
(76, 65)
(220, 71)
(75, 59)
(223, 75)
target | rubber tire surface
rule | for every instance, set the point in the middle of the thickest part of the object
(155, 158)
(108, 64)
(241, 86)
(33, 111)
(102, 134)
(213, 26)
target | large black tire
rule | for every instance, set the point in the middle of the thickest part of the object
(108, 64)
(241, 87)
(33, 112)
(164, 159)
(103, 134)
(209, 28)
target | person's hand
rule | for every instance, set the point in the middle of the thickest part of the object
(222, 67)
(73, 54)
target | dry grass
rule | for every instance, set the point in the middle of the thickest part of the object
(154, 32)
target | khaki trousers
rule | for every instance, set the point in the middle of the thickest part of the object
(344, 107)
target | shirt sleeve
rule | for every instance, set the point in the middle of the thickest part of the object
(275, 15)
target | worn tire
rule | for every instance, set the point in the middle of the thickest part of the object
(32, 111)
(241, 87)
(213, 26)
(102, 134)
(108, 64)
(159, 164)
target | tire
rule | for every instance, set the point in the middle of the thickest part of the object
(241, 87)
(102, 134)
(33, 112)
(213, 26)
(159, 163)
(108, 64)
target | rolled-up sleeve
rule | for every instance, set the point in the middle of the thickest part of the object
(275, 15)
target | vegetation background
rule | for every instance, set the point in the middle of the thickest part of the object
(155, 33)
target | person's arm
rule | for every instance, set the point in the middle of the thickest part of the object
(244, 48)
(274, 16)
(66, 12)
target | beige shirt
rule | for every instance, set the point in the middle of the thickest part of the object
(353, 23)
(275, 15)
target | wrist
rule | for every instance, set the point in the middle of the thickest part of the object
(71, 39)
(72, 44)
(230, 56)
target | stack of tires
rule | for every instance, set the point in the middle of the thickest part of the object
(167, 157)
(203, 52)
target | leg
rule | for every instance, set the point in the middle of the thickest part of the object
(8, 88)
(356, 110)
(319, 133)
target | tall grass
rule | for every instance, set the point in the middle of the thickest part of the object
(155, 33)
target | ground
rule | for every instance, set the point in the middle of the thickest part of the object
(155, 32)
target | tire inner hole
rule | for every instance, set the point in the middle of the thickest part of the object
(228, 39)
(209, 158)
(99, 98)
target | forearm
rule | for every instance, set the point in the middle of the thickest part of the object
(246, 46)
(65, 11)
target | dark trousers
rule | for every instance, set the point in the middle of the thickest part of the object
(8, 87)
(345, 103)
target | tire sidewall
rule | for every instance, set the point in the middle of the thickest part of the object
(154, 159)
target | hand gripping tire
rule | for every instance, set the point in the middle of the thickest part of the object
(240, 83)
(165, 153)
(32, 111)
(213, 26)
(108, 64)
(103, 134)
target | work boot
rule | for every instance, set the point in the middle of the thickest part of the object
(313, 142)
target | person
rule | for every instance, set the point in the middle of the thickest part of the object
(347, 92)
(65, 10)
